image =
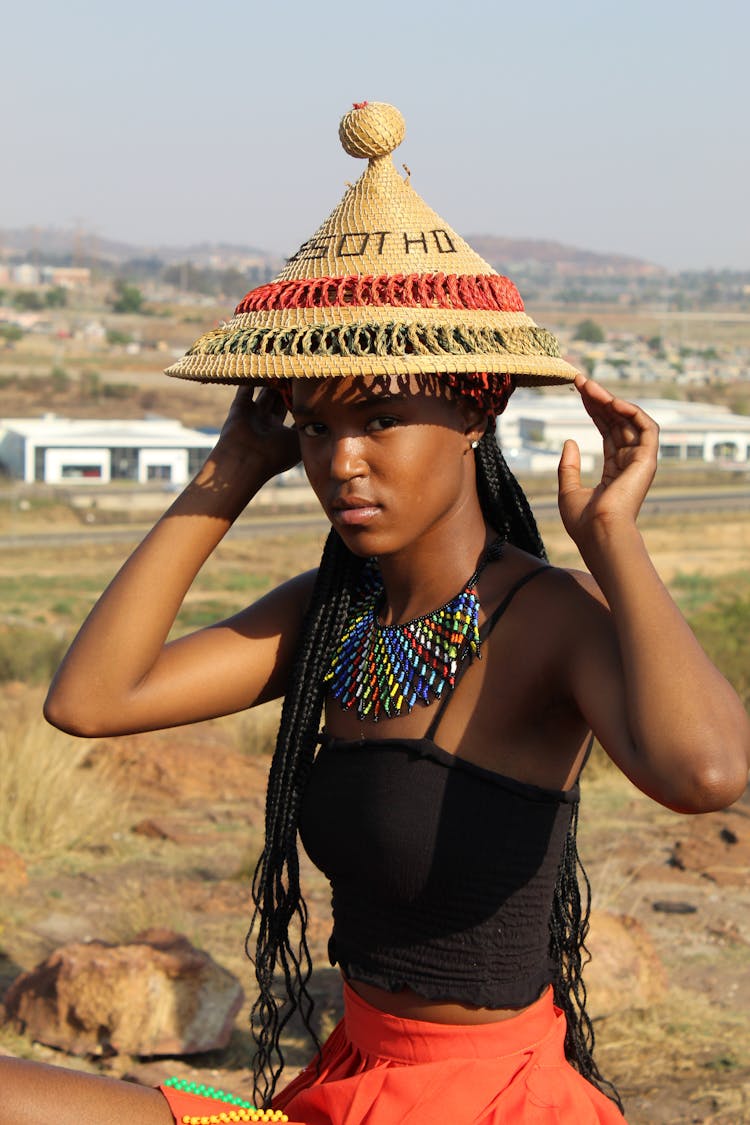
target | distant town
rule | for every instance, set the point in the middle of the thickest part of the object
(87, 326)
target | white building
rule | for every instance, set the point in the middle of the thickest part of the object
(67, 450)
(689, 431)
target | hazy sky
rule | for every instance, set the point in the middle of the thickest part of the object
(618, 126)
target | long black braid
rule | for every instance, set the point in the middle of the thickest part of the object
(281, 942)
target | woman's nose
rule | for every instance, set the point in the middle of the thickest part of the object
(347, 460)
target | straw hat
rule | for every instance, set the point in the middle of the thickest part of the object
(384, 287)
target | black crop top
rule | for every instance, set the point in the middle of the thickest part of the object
(442, 872)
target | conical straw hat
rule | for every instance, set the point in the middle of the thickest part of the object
(384, 287)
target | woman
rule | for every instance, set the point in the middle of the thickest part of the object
(459, 676)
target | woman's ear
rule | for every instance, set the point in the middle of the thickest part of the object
(476, 420)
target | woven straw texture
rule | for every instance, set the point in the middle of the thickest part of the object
(384, 287)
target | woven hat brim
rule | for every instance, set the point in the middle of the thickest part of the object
(310, 343)
(267, 368)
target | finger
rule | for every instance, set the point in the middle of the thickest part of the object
(600, 402)
(244, 394)
(569, 469)
(271, 403)
(625, 422)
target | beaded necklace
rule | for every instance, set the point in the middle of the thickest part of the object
(382, 670)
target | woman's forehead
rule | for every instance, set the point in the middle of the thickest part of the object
(345, 390)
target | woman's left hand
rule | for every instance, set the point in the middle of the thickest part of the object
(631, 443)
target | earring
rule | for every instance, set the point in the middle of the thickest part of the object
(475, 444)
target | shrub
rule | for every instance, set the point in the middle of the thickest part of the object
(724, 631)
(119, 390)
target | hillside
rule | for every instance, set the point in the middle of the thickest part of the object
(508, 254)
(502, 253)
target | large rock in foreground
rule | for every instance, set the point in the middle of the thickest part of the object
(156, 995)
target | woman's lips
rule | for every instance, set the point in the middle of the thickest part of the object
(355, 515)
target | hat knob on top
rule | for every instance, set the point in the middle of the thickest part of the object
(371, 129)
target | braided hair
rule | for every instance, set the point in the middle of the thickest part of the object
(280, 912)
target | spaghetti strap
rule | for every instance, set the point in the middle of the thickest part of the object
(494, 617)
(487, 628)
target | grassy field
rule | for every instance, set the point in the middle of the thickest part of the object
(69, 809)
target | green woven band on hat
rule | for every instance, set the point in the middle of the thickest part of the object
(384, 286)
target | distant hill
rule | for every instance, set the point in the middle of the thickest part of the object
(504, 254)
(84, 245)
(507, 254)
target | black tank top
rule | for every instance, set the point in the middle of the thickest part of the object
(442, 872)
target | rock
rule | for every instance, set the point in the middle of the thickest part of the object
(163, 829)
(715, 846)
(156, 995)
(13, 875)
(625, 970)
(673, 906)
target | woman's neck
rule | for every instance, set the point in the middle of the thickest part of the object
(430, 571)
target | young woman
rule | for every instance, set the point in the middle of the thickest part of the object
(457, 676)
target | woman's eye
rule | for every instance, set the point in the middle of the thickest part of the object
(311, 429)
(384, 423)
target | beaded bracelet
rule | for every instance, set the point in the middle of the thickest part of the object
(185, 1086)
(240, 1110)
(235, 1115)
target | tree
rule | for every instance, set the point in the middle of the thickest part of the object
(590, 332)
(28, 299)
(56, 297)
(128, 298)
(59, 379)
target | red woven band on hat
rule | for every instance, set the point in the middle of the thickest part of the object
(483, 292)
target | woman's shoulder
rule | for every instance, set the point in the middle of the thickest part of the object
(548, 599)
(520, 564)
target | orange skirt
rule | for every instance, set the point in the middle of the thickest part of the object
(379, 1069)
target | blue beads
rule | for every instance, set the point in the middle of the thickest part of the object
(385, 669)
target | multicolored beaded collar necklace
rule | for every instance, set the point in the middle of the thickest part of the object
(383, 670)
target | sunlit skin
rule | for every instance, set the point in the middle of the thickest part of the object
(394, 471)
(392, 464)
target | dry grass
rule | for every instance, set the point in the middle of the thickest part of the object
(254, 731)
(142, 905)
(50, 802)
(686, 1037)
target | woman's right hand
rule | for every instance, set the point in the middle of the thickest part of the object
(254, 430)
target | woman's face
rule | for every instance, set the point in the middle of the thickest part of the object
(389, 458)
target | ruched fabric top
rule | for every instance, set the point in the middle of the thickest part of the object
(442, 872)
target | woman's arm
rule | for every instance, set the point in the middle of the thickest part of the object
(119, 675)
(659, 706)
(37, 1094)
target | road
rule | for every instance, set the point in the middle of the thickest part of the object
(662, 504)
